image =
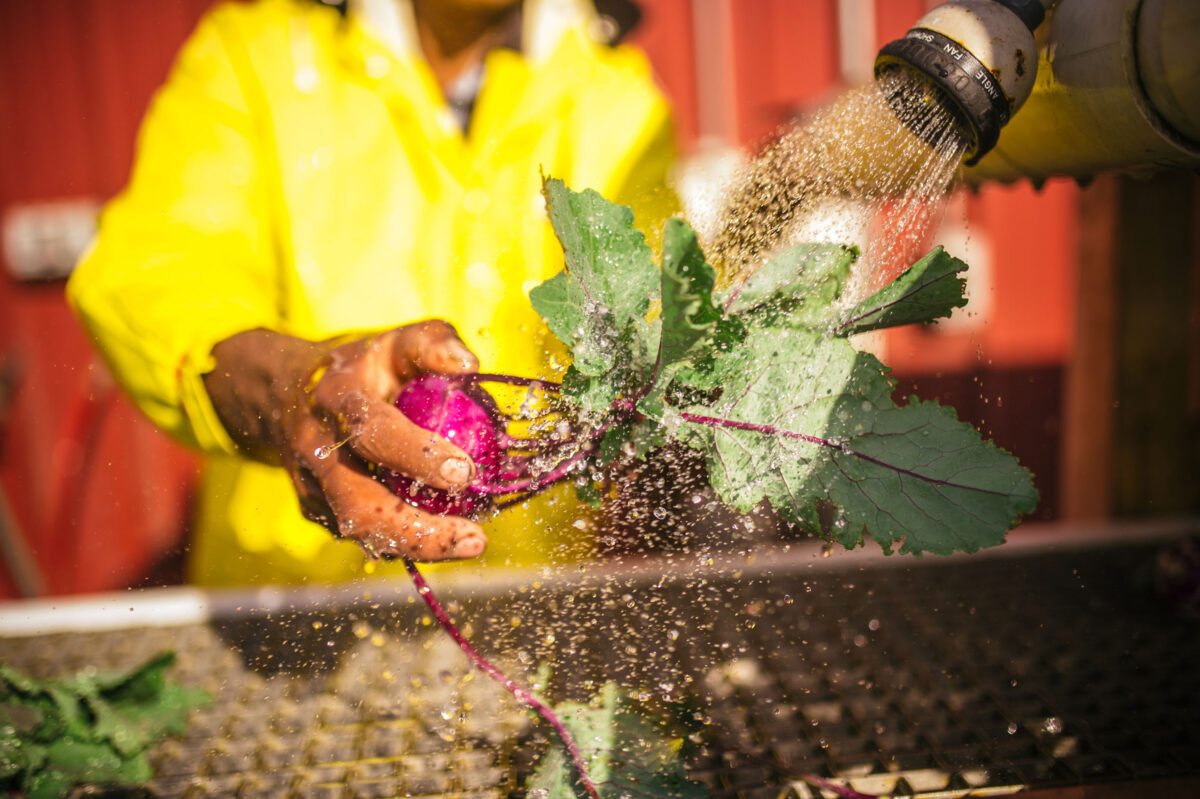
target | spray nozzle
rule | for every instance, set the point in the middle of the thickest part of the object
(975, 58)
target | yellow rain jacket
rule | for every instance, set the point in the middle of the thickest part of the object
(298, 173)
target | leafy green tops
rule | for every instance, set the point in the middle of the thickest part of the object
(762, 380)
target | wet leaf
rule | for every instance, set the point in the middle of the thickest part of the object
(49, 784)
(801, 282)
(815, 423)
(625, 754)
(764, 383)
(688, 314)
(929, 289)
(609, 281)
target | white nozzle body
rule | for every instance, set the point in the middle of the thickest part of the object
(994, 35)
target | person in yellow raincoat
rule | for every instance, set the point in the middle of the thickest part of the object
(307, 174)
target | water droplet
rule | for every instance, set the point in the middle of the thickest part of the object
(325, 450)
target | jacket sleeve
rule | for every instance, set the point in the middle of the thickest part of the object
(185, 255)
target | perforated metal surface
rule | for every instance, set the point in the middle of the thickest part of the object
(912, 678)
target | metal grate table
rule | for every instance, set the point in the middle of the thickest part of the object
(1044, 663)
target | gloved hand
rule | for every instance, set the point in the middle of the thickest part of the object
(323, 411)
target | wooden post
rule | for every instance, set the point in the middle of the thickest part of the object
(1085, 478)
(1156, 449)
(1132, 415)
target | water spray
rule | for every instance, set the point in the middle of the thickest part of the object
(977, 58)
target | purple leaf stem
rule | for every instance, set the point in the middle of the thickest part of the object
(515, 499)
(512, 380)
(619, 411)
(533, 485)
(522, 444)
(716, 421)
(560, 471)
(841, 790)
(733, 295)
(523, 695)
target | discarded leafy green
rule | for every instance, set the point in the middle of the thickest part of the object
(90, 729)
(625, 754)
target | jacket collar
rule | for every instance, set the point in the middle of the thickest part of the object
(530, 91)
(543, 24)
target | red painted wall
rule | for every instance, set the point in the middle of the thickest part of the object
(667, 35)
(785, 59)
(77, 77)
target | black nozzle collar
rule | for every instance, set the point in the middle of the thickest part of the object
(972, 92)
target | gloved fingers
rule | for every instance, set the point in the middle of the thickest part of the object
(385, 525)
(428, 538)
(312, 500)
(310, 442)
(356, 389)
(336, 492)
(379, 433)
(429, 346)
(380, 365)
